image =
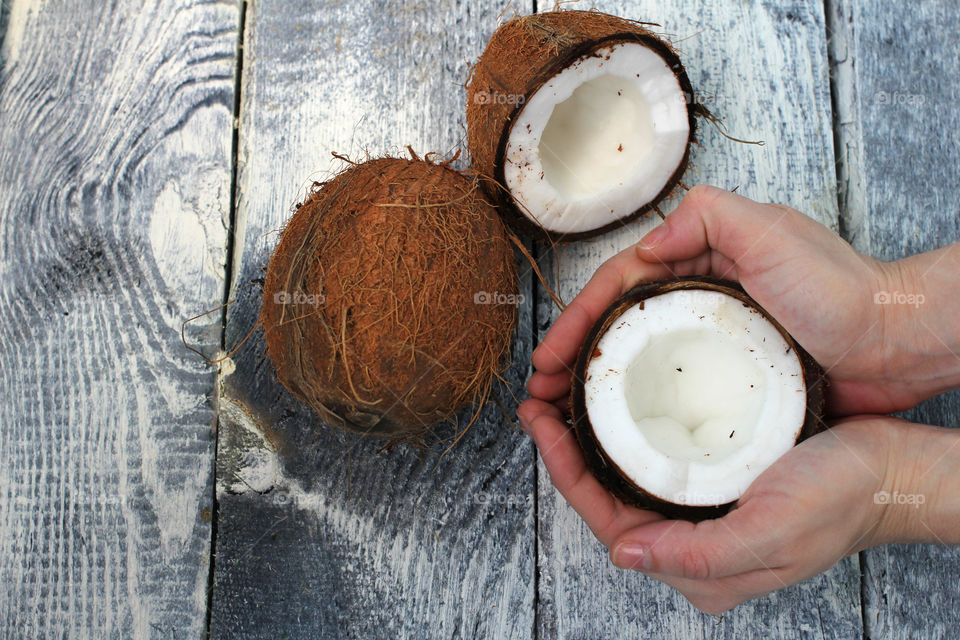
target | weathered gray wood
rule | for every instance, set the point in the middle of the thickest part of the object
(115, 140)
(904, 105)
(762, 66)
(320, 534)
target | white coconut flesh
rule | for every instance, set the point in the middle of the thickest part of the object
(694, 395)
(598, 140)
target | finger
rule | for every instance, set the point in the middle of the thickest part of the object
(737, 543)
(550, 387)
(752, 235)
(563, 405)
(606, 516)
(532, 408)
(558, 350)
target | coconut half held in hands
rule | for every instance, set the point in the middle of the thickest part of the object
(582, 121)
(685, 391)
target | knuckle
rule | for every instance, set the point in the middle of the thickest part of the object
(700, 190)
(704, 193)
(694, 564)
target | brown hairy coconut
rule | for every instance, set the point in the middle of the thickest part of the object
(383, 305)
(581, 121)
(685, 390)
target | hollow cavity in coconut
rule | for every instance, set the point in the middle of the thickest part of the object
(685, 391)
(382, 305)
(581, 120)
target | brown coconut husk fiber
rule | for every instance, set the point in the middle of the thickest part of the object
(374, 306)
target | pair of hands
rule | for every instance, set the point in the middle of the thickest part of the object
(824, 499)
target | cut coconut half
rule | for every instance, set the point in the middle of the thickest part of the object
(686, 391)
(604, 135)
(590, 131)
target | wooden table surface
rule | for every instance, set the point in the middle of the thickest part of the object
(149, 152)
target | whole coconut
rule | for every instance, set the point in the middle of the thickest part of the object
(389, 302)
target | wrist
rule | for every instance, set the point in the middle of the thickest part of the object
(918, 307)
(919, 499)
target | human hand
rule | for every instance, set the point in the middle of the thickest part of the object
(803, 274)
(821, 501)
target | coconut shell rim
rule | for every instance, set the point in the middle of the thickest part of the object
(609, 473)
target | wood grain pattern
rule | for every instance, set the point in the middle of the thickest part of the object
(906, 109)
(320, 533)
(114, 173)
(115, 176)
(761, 66)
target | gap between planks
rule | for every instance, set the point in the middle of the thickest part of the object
(232, 267)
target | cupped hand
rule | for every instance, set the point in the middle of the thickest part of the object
(822, 291)
(820, 502)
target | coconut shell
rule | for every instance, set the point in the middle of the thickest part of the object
(520, 57)
(604, 469)
(373, 301)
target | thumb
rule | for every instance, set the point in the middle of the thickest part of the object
(755, 237)
(706, 550)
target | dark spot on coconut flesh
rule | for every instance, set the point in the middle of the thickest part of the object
(679, 369)
(596, 353)
(642, 303)
(733, 432)
(620, 148)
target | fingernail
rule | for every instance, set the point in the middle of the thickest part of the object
(631, 556)
(533, 354)
(523, 424)
(655, 237)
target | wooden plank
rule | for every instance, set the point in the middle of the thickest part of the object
(762, 66)
(904, 107)
(320, 534)
(115, 171)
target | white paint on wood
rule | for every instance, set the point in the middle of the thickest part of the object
(852, 186)
(378, 543)
(907, 121)
(20, 13)
(114, 173)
